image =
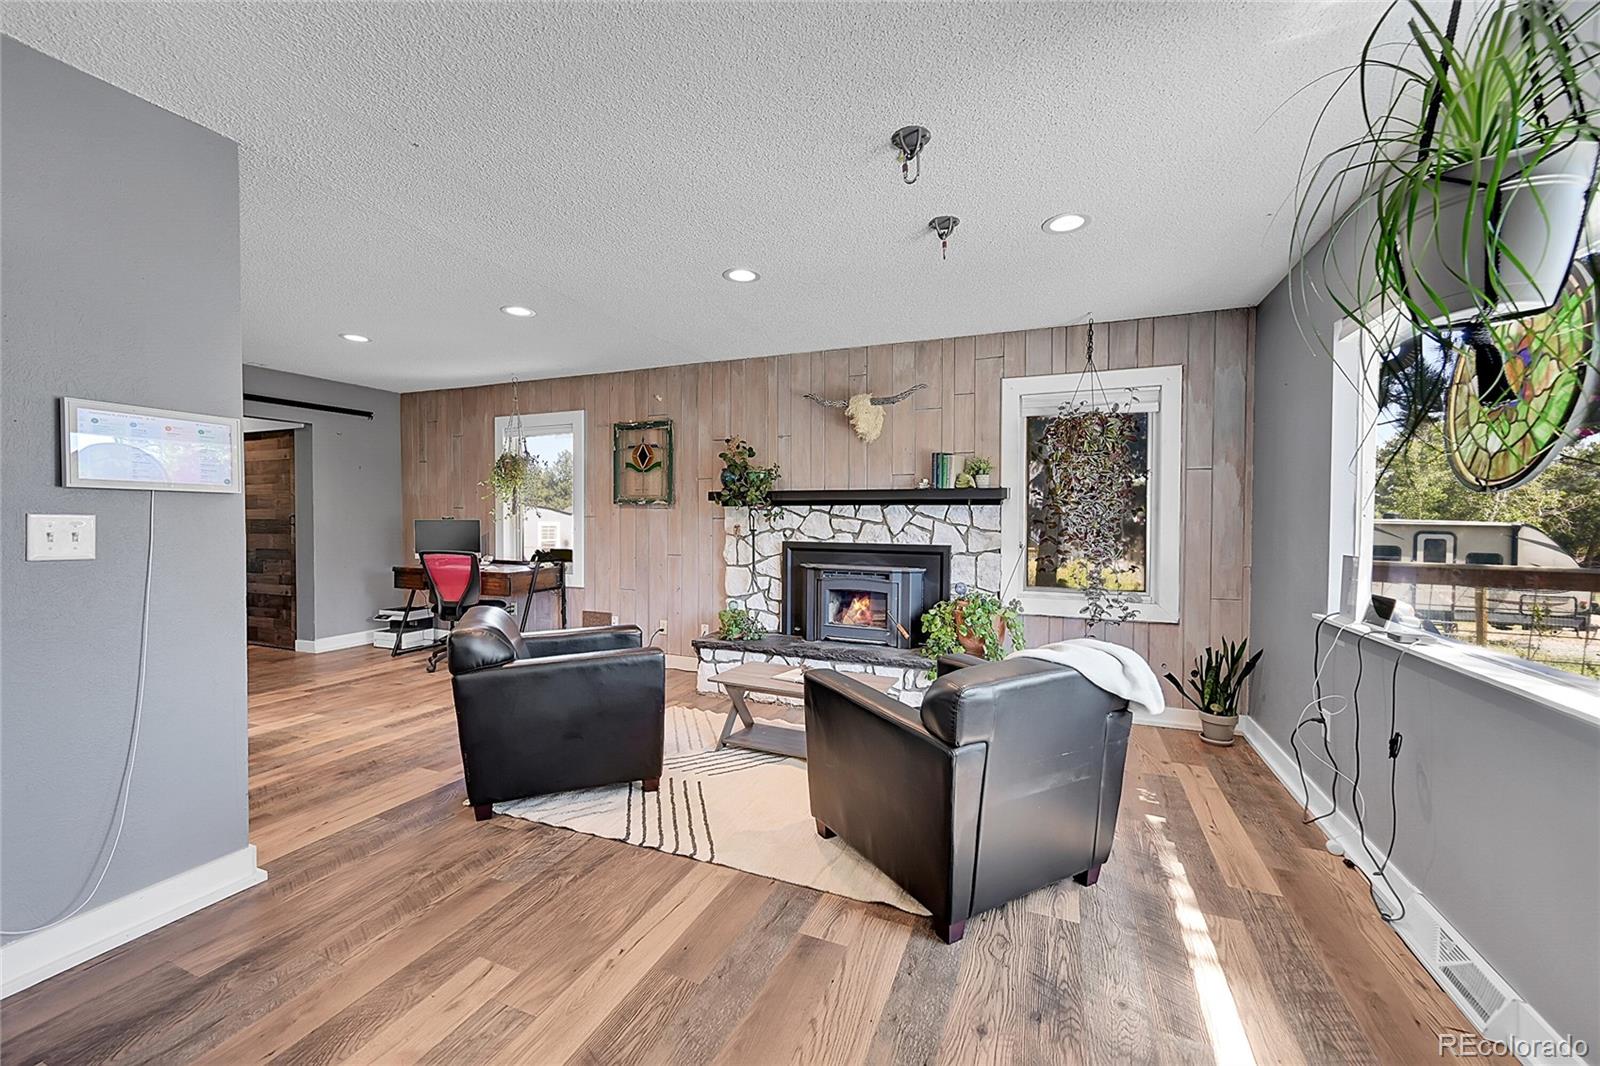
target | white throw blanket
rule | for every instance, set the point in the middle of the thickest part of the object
(1110, 667)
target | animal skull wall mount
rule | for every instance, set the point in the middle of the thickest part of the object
(865, 411)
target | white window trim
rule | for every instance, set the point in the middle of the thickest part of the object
(507, 531)
(1036, 395)
(1353, 474)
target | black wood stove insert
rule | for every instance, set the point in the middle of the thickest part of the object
(862, 593)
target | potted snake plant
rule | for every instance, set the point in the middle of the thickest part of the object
(1217, 681)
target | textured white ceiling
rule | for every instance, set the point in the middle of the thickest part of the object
(407, 168)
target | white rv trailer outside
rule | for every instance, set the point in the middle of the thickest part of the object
(1518, 544)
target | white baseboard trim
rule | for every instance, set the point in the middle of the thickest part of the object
(1486, 998)
(683, 662)
(27, 961)
(1171, 718)
(335, 643)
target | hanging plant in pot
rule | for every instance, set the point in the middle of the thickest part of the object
(1473, 173)
(1087, 452)
(510, 480)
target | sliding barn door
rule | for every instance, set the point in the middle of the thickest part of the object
(269, 538)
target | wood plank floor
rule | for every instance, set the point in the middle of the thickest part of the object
(394, 928)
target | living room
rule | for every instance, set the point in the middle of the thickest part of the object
(754, 532)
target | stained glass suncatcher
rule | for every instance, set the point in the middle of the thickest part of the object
(1519, 388)
(641, 463)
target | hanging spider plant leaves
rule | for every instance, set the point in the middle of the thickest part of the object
(1473, 174)
(1485, 241)
(1520, 391)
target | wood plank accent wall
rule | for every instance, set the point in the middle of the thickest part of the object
(646, 564)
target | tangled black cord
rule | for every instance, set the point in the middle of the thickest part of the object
(1380, 867)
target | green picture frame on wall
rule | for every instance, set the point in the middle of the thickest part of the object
(642, 473)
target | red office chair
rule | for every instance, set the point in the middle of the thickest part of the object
(453, 581)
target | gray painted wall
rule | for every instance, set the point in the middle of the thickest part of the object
(1498, 796)
(120, 280)
(347, 498)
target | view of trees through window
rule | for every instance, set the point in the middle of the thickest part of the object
(1517, 571)
(547, 519)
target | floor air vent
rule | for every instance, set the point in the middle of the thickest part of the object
(1473, 985)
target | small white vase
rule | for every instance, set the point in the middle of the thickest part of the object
(1218, 728)
(981, 480)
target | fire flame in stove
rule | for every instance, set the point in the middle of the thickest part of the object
(859, 612)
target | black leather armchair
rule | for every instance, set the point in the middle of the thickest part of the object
(1008, 779)
(555, 710)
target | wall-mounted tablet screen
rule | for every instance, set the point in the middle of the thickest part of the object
(117, 446)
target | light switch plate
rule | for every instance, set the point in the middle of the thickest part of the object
(60, 536)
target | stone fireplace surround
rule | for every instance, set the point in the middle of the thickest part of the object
(753, 578)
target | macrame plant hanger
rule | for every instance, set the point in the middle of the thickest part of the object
(1090, 376)
(515, 427)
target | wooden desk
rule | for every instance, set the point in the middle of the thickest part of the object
(498, 581)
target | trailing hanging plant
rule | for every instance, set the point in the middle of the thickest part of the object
(977, 623)
(736, 623)
(511, 479)
(1085, 496)
(1473, 171)
(744, 483)
(1218, 678)
(1090, 474)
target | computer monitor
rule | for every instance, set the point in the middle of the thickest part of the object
(446, 534)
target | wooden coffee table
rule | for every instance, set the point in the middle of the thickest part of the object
(770, 737)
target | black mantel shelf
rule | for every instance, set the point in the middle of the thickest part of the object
(787, 497)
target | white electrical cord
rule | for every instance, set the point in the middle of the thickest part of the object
(1324, 713)
(121, 811)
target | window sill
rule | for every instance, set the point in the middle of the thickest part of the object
(1576, 698)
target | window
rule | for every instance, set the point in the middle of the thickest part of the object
(1039, 563)
(552, 518)
(1514, 571)
(1435, 550)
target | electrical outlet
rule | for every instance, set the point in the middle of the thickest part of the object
(60, 536)
(705, 629)
(663, 626)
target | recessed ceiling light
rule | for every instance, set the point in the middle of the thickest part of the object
(518, 312)
(355, 338)
(741, 274)
(1064, 223)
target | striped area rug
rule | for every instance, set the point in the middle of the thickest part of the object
(743, 809)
